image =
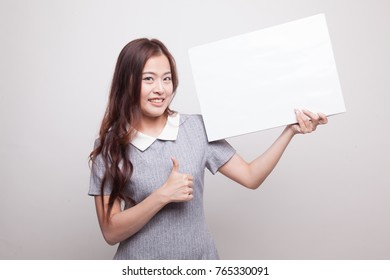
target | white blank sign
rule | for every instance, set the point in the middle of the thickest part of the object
(255, 81)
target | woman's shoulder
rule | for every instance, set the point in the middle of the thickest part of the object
(191, 118)
(193, 125)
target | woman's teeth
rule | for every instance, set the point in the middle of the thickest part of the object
(156, 100)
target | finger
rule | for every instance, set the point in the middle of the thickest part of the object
(314, 117)
(175, 166)
(188, 177)
(188, 180)
(301, 122)
(191, 192)
(323, 118)
(308, 123)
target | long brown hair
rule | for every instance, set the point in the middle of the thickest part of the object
(123, 113)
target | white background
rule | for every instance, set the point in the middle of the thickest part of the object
(329, 197)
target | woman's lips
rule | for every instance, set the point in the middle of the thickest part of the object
(156, 101)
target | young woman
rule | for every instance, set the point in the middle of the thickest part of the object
(148, 164)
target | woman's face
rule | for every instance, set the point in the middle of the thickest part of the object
(157, 87)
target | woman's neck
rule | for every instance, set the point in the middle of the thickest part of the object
(152, 126)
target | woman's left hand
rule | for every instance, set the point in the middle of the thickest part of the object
(307, 121)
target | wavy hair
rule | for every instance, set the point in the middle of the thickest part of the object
(123, 114)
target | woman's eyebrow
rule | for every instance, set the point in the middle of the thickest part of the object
(153, 73)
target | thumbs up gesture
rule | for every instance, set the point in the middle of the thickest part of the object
(178, 187)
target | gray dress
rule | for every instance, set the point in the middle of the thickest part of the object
(179, 230)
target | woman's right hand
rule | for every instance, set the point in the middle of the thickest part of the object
(178, 187)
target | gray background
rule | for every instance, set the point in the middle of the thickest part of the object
(327, 199)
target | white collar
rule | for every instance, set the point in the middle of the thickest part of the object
(142, 141)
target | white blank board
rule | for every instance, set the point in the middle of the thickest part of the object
(254, 81)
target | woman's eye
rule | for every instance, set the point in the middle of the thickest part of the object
(167, 79)
(148, 79)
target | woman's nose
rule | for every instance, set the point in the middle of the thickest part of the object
(159, 88)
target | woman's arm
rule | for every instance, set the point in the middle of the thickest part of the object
(252, 175)
(123, 224)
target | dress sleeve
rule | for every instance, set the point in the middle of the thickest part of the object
(97, 173)
(217, 154)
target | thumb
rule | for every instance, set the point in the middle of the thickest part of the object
(175, 166)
